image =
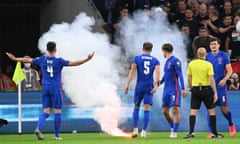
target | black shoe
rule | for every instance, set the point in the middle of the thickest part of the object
(218, 136)
(3, 122)
(190, 135)
(134, 135)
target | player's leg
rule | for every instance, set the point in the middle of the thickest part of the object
(137, 101)
(168, 117)
(176, 120)
(166, 109)
(148, 101)
(57, 104)
(57, 123)
(47, 103)
(175, 104)
(222, 92)
(146, 118)
(209, 103)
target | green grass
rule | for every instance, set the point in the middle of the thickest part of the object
(100, 138)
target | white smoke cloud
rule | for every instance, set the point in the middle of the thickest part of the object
(92, 84)
(95, 84)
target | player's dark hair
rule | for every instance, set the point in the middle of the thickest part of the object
(51, 46)
(215, 39)
(147, 46)
(167, 47)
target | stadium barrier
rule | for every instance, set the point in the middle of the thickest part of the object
(81, 120)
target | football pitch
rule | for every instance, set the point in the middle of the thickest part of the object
(101, 138)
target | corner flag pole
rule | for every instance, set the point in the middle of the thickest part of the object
(19, 108)
(18, 76)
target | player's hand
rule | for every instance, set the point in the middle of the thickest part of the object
(11, 56)
(222, 83)
(154, 90)
(184, 93)
(215, 98)
(126, 89)
(90, 56)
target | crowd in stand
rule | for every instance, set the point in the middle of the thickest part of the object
(199, 20)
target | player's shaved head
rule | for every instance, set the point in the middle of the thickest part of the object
(147, 46)
(51, 47)
(201, 52)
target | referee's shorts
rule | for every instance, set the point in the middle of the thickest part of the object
(202, 94)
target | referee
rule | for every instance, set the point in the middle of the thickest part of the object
(201, 79)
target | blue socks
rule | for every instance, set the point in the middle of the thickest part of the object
(57, 124)
(175, 127)
(146, 119)
(41, 120)
(135, 117)
(171, 124)
(228, 116)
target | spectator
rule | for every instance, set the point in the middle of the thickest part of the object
(213, 23)
(236, 5)
(139, 4)
(227, 9)
(181, 7)
(202, 40)
(195, 5)
(31, 83)
(190, 21)
(7, 85)
(211, 9)
(170, 15)
(224, 31)
(203, 13)
(116, 24)
(109, 6)
(188, 41)
(235, 84)
(233, 40)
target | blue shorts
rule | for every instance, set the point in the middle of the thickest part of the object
(52, 97)
(143, 93)
(171, 98)
(222, 96)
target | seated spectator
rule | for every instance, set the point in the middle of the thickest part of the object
(224, 31)
(227, 9)
(202, 40)
(234, 82)
(190, 21)
(7, 85)
(203, 13)
(233, 40)
(31, 83)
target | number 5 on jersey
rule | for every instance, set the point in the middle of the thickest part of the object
(146, 67)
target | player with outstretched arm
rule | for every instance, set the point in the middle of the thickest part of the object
(51, 68)
(173, 89)
(145, 65)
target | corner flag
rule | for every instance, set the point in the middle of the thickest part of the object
(18, 75)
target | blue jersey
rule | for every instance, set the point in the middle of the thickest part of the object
(51, 68)
(173, 74)
(219, 63)
(145, 68)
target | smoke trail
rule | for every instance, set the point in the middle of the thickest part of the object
(92, 84)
